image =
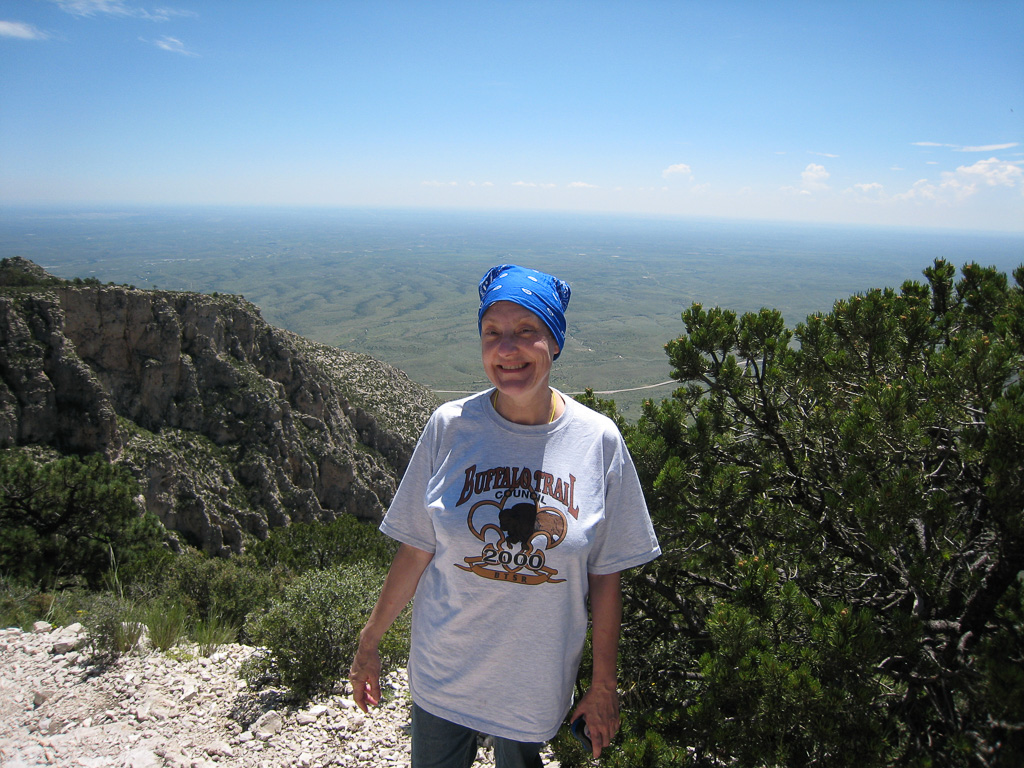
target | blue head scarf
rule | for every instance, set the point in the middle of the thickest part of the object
(544, 295)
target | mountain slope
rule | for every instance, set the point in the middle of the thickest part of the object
(232, 426)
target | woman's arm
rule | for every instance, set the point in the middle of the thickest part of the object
(600, 704)
(399, 588)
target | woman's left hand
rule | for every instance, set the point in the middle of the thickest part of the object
(600, 707)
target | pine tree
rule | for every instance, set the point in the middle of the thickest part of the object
(840, 509)
(68, 520)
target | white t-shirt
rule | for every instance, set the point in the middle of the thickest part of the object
(516, 517)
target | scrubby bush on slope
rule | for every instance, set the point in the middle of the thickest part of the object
(310, 635)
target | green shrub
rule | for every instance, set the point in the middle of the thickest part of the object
(302, 547)
(21, 605)
(16, 604)
(63, 521)
(213, 632)
(166, 622)
(231, 588)
(310, 635)
(649, 750)
(114, 626)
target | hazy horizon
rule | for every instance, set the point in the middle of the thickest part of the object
(401, 285)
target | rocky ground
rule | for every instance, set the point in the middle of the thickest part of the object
(178, 710)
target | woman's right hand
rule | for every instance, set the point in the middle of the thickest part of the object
(399, 587)
(365, 676)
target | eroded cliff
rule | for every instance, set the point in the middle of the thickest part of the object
(232, 426)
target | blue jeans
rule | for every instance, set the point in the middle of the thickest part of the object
(437, 743)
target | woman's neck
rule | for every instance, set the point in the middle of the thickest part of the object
(539, 410)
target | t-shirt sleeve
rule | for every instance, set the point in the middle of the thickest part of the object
(407, 519)
(626, 536)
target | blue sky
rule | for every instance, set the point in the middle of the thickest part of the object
(877, 112)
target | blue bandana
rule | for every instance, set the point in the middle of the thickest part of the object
(544, 295)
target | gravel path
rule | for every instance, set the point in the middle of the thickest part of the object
(179, 710)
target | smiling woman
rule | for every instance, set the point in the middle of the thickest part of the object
(521, 503)
(522, 330)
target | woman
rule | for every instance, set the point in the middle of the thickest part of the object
(518, 505)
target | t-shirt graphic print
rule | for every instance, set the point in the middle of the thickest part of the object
(516, 516)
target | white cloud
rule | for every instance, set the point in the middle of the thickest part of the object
(993, 172)
(85, 8)
(868, 192)
(174, 45)
(922, 189)
(21, 31)
(965, 181)
(814, 178)
(680, 169)
(533, 184)
(962, 148)
(988, 147)
(581, 185)
(823, 154)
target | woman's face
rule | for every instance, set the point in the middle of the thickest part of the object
(517, 350)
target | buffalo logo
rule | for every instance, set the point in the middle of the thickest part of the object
(535, 529)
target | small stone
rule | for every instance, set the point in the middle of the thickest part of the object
(268, 724)
(219, 749)
(143, 757)
(64, 645)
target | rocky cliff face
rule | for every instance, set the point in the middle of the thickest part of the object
(232, 426)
